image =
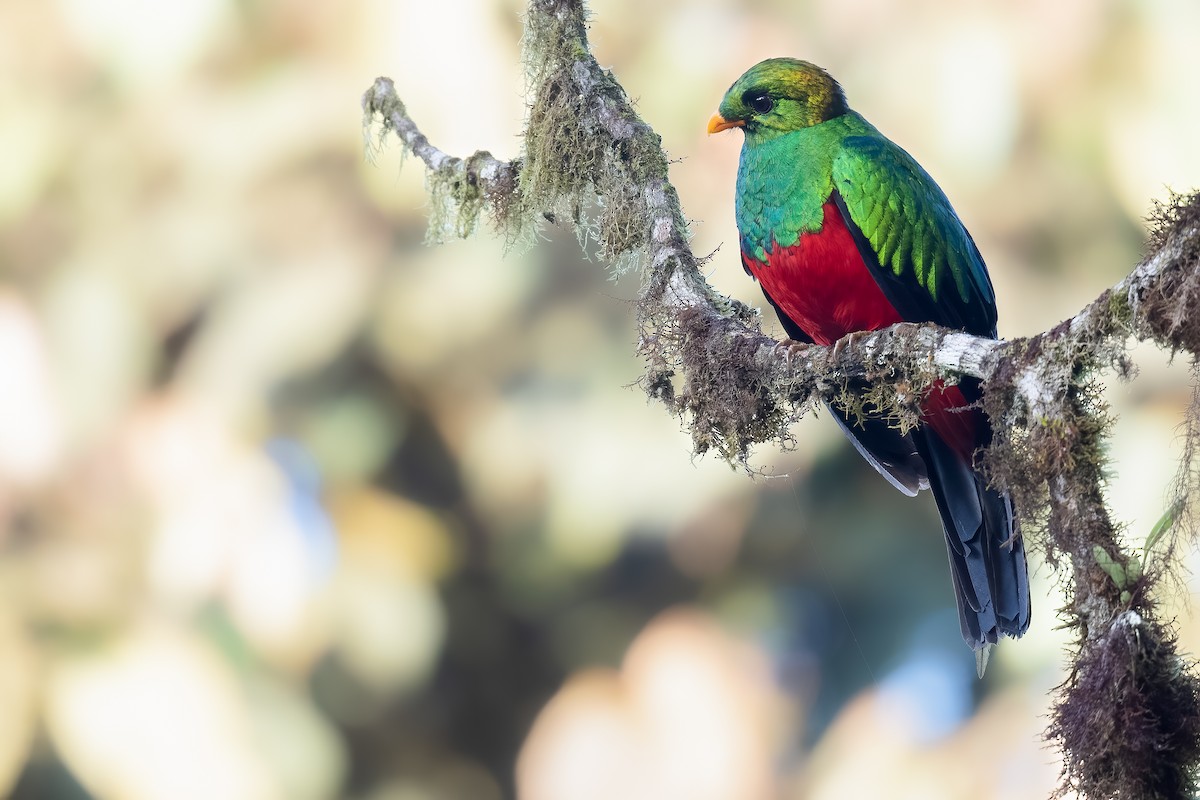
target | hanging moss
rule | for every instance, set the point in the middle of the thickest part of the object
(1128, 721)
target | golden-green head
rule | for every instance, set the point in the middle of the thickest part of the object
(777, 96)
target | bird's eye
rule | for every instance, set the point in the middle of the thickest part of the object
(761, 103)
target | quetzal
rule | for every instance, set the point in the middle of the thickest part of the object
(845, 232)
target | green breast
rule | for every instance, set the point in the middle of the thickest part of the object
(784, 181)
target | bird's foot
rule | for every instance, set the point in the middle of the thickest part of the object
(790, 349)
(841, 344)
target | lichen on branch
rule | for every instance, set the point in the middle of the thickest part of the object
(1128, 717)
(459, 189)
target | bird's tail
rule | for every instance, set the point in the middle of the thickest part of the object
(987, 557)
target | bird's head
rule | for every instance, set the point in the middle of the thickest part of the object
(777, 96)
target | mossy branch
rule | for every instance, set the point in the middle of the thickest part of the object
(1128, 718)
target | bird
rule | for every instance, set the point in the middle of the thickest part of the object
(845, 232)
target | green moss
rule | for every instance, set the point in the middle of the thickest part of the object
(455, 204)
(583, 139)
(1119, 309)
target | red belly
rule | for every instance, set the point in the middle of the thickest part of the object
(823, 286)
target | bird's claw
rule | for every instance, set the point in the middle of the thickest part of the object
(791, 348)
(841, 344)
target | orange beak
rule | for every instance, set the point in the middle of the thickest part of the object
(719, 123)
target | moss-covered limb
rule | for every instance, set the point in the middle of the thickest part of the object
(459, 188)
(583, 139)
(719, 360)
(1127, 717)
(1156, 300)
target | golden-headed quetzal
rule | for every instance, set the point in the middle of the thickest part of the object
(845, 232)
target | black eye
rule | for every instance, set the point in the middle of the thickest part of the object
(759, 101)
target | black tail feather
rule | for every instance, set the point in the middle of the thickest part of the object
(892, 453)
(987, 561)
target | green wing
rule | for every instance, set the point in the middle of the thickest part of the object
(910, 238)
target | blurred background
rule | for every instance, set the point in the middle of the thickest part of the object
(293, 506)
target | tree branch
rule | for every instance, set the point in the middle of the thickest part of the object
(1128, 718)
